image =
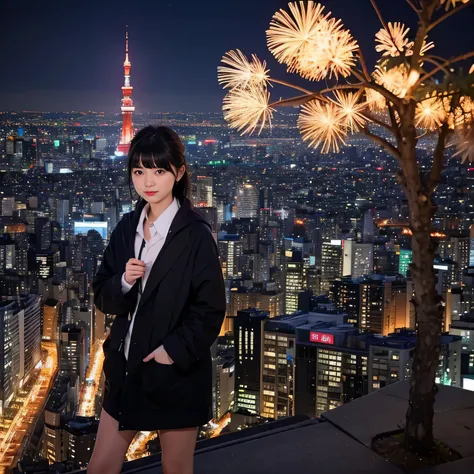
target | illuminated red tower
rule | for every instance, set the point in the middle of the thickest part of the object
(127, 105)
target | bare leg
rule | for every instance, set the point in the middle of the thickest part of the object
(177, 448)
(110, 447)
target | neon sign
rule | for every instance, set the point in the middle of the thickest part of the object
(321, 337)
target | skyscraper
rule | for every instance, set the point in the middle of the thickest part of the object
(248, 343)
(203, 191)
(358, 259)
(295, 281)
(247, 201)
(20, 339)
(127, 105)
(331, 262)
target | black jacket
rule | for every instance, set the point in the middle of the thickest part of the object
(182, 307)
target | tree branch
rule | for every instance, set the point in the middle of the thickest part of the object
(377, 87)
(448, 14)
(438, 156)
(364, 66)
(393, 120)
(416, 10)
(371, 118)
(384, 143)
(359, 85)
(430, 59)
(444, 65)
(287, 84)
(376, 8)
(302, 99)
(428, 8)
(299, 100)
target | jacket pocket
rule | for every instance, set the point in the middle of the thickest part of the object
(114, 368)
(160, 382)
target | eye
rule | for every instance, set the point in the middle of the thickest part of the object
(159, 171)
(138, 172)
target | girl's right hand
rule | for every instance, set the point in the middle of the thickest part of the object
(134, 269)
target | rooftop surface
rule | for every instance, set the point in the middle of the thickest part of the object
(337, 443)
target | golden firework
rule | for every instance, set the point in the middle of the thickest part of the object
(322, 124)
(290, 35)
(463, 140)
(246, 108)
(351, 109)
(394, 41)
(375, 100)
(452, 2)
(330, 53)
(430, 112)
(311, 44)
(394, 79)
(239, 71)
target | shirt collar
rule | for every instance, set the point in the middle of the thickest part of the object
(163, 223)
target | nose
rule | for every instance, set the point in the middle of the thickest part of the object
(148, 180)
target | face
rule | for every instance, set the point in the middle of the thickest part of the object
(155, 184)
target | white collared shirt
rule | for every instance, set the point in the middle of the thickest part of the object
(158, 231)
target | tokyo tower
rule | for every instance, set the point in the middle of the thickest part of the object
(127, 105)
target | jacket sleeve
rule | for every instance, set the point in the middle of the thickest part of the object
(193, 337)
(107, 284)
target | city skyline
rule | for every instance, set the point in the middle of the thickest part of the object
(176, 49)
(344, 230)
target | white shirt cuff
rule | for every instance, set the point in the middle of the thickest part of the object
(125, 286)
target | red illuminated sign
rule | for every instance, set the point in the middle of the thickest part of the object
(321, 337)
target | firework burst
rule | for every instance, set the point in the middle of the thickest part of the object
(375, 100)
(290, 35)
(322, 124)
(452, 2)
(246, 108)
(310, 43)
(351, 110)
(394, 41)
(430, 112)
(394, 80)
(239, 71)
(463, 140)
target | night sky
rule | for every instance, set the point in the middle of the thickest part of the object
(63, 55)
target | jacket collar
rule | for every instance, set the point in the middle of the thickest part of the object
(186, 215)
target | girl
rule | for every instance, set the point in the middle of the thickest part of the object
(161, 277)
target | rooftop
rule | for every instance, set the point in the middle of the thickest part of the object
(337, 443)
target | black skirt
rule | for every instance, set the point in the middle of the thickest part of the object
(113, 387)
(159, 397)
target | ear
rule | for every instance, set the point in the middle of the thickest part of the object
(181, 172)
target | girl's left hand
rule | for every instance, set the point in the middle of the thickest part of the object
(160, 356)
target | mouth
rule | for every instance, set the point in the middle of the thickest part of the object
(150, 193)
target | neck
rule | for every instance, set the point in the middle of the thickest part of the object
(156, 209)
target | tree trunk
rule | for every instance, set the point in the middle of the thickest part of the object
(427, 302)
(429, 314)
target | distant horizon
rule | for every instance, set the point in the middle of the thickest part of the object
(175, 49)
(105, 113)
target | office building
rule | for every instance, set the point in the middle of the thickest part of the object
(331, 263)
(20, 344)
(73, 351)
(358, 259)
(247, 201)
(248, 344)
(204, 191)
(230, 250)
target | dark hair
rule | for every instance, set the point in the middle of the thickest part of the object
(159, 147)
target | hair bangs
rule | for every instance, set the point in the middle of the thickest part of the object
(151, 159)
